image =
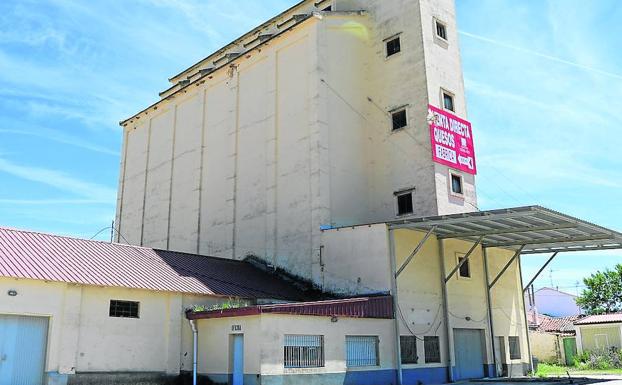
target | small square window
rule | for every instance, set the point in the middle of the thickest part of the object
(514, 348)
(362, 351)
(432, 347)
(408, 349)
(465, 269)
(303, 351)
(393, 46)
(123, 309)
(456, 184)
(405, 203)
(399, 119)
(448, 101)
(441, 30)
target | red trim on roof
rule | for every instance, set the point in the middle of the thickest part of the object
(366, 307)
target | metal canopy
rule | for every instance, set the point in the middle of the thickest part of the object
(537, 229)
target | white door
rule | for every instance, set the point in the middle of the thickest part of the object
(23, 343)
(237, 360)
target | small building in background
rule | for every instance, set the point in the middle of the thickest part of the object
(552, 302)
(599, 333)
(553, 338)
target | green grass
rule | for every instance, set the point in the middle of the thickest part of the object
(548, 370)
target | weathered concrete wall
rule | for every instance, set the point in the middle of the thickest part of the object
(294, 135)
(362, 251)
(83, 338)
(263, 345)
(599, 337)
(546, 347)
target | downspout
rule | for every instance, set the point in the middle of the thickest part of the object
(195, 343)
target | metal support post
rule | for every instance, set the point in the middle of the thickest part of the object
(520, 270)
(507, 265)
(464, 259)
(540, 271)
(398, 353)
(489, 308)
(448, 349)
(415, 251)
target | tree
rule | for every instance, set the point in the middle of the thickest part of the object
(603, 292)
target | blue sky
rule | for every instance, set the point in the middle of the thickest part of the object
(543, 79)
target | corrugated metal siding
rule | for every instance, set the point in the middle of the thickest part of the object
(32, 255)
(372, 307)
(369, 307)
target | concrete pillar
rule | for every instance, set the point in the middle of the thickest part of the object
(70, 330)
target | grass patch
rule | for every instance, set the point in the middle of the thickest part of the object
(549, 370)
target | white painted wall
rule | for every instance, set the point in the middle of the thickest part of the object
(362, 251)
(555, 303)
(295, 135)
(82, 337)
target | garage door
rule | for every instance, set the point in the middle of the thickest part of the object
(469, 353)
(22, 349)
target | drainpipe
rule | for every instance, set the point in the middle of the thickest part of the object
(195, 343)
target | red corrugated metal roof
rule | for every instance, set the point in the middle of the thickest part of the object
(366, 307)
(33, 255)
(600, 319)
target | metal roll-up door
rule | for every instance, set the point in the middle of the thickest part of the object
(23, 342)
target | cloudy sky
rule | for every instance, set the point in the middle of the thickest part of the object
(543, 79)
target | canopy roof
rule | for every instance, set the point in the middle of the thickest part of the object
(538, 229)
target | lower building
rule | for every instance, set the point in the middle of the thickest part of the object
(74, 311)
(553, 339)
(413, 301)
(599, 333)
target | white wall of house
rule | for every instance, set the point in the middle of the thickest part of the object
(599, 337)
(82, 337)
(555, 303)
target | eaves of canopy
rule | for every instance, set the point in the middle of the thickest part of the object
(534, 228)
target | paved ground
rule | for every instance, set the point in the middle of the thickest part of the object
(575, 380)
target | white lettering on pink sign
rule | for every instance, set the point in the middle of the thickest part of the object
(452, 140)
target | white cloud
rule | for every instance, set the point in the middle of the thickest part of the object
(60, 180)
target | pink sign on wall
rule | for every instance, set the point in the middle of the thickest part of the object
(452, 140)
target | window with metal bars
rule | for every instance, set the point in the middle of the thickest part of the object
(432, 347)
(514, 348)
(408, 349)
(303, 351)
(362, 351)
(123, 309)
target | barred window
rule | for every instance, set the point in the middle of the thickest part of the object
(408, 349)
(361, 351)
(123, 309)
(432, 347)
(514, 347)
(303, 351)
